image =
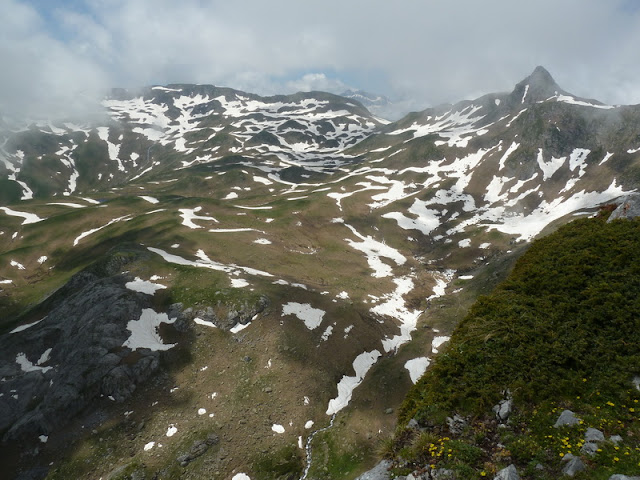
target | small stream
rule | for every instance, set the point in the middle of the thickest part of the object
(309, 450)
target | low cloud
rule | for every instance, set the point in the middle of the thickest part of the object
(63, 56)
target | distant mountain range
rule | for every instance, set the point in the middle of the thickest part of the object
(259, 268)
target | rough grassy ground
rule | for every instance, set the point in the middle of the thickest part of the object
(558, 334)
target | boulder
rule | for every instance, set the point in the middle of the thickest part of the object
(573, 466)
(617, 476)
(456, 424)
(629, 208)
(379, 472)
(615, 439)
(589, 448)
(567, 417)
(593, 435)
(503, 409)
(509, 473)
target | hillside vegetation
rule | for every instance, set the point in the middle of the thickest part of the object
(562, 332)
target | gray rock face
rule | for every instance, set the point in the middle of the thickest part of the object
(509, 473)
(617, 476)
(53, 369)
(379, 472)
(629, 209)
(567, 417)
(573, 466)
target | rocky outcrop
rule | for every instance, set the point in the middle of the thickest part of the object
(629, 208)
(379, 472)
(226, 317)
(52, 370)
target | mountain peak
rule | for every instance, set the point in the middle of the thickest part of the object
(537, 87)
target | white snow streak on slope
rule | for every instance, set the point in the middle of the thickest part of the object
(427, 219)
(277, 428)
(206, 323)
(362, 364)
(451, 125)
(143, 286)
(512, 148)
(528, 226)
(124, 218)
(27, 366)
(230, 196)
(239, 283)
(606, 157)
(437, 342)
(68, 204)
(526, 90)
(573, 101)
(18, 265)
(149, 199)
(550, 167)
(374, 250)
(206, 262)
(144, 331)
(25, 326)
(114, 150)
(394, 306)
(417, 367)
(339, 196)
(262, 180)
(234, 230)
(189, 215)
(312, 317)
(28, 217)
(241, 476)
(442, 280)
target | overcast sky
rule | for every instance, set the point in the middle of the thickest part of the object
(57, 54)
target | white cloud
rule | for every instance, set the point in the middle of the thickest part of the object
(430, 51)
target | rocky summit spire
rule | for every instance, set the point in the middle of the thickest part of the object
(537, 87)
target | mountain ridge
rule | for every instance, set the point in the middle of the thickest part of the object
(369, 241)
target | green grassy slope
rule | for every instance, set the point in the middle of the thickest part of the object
(562, 332)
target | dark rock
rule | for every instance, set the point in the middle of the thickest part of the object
(85, 329)
(198, 449)
(509, 473)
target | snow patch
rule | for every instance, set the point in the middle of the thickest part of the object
(361, 365)
(312, 317)
(144, 286)
(144, 331)
(417, 367)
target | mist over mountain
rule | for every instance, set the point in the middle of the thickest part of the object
(203, 282)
